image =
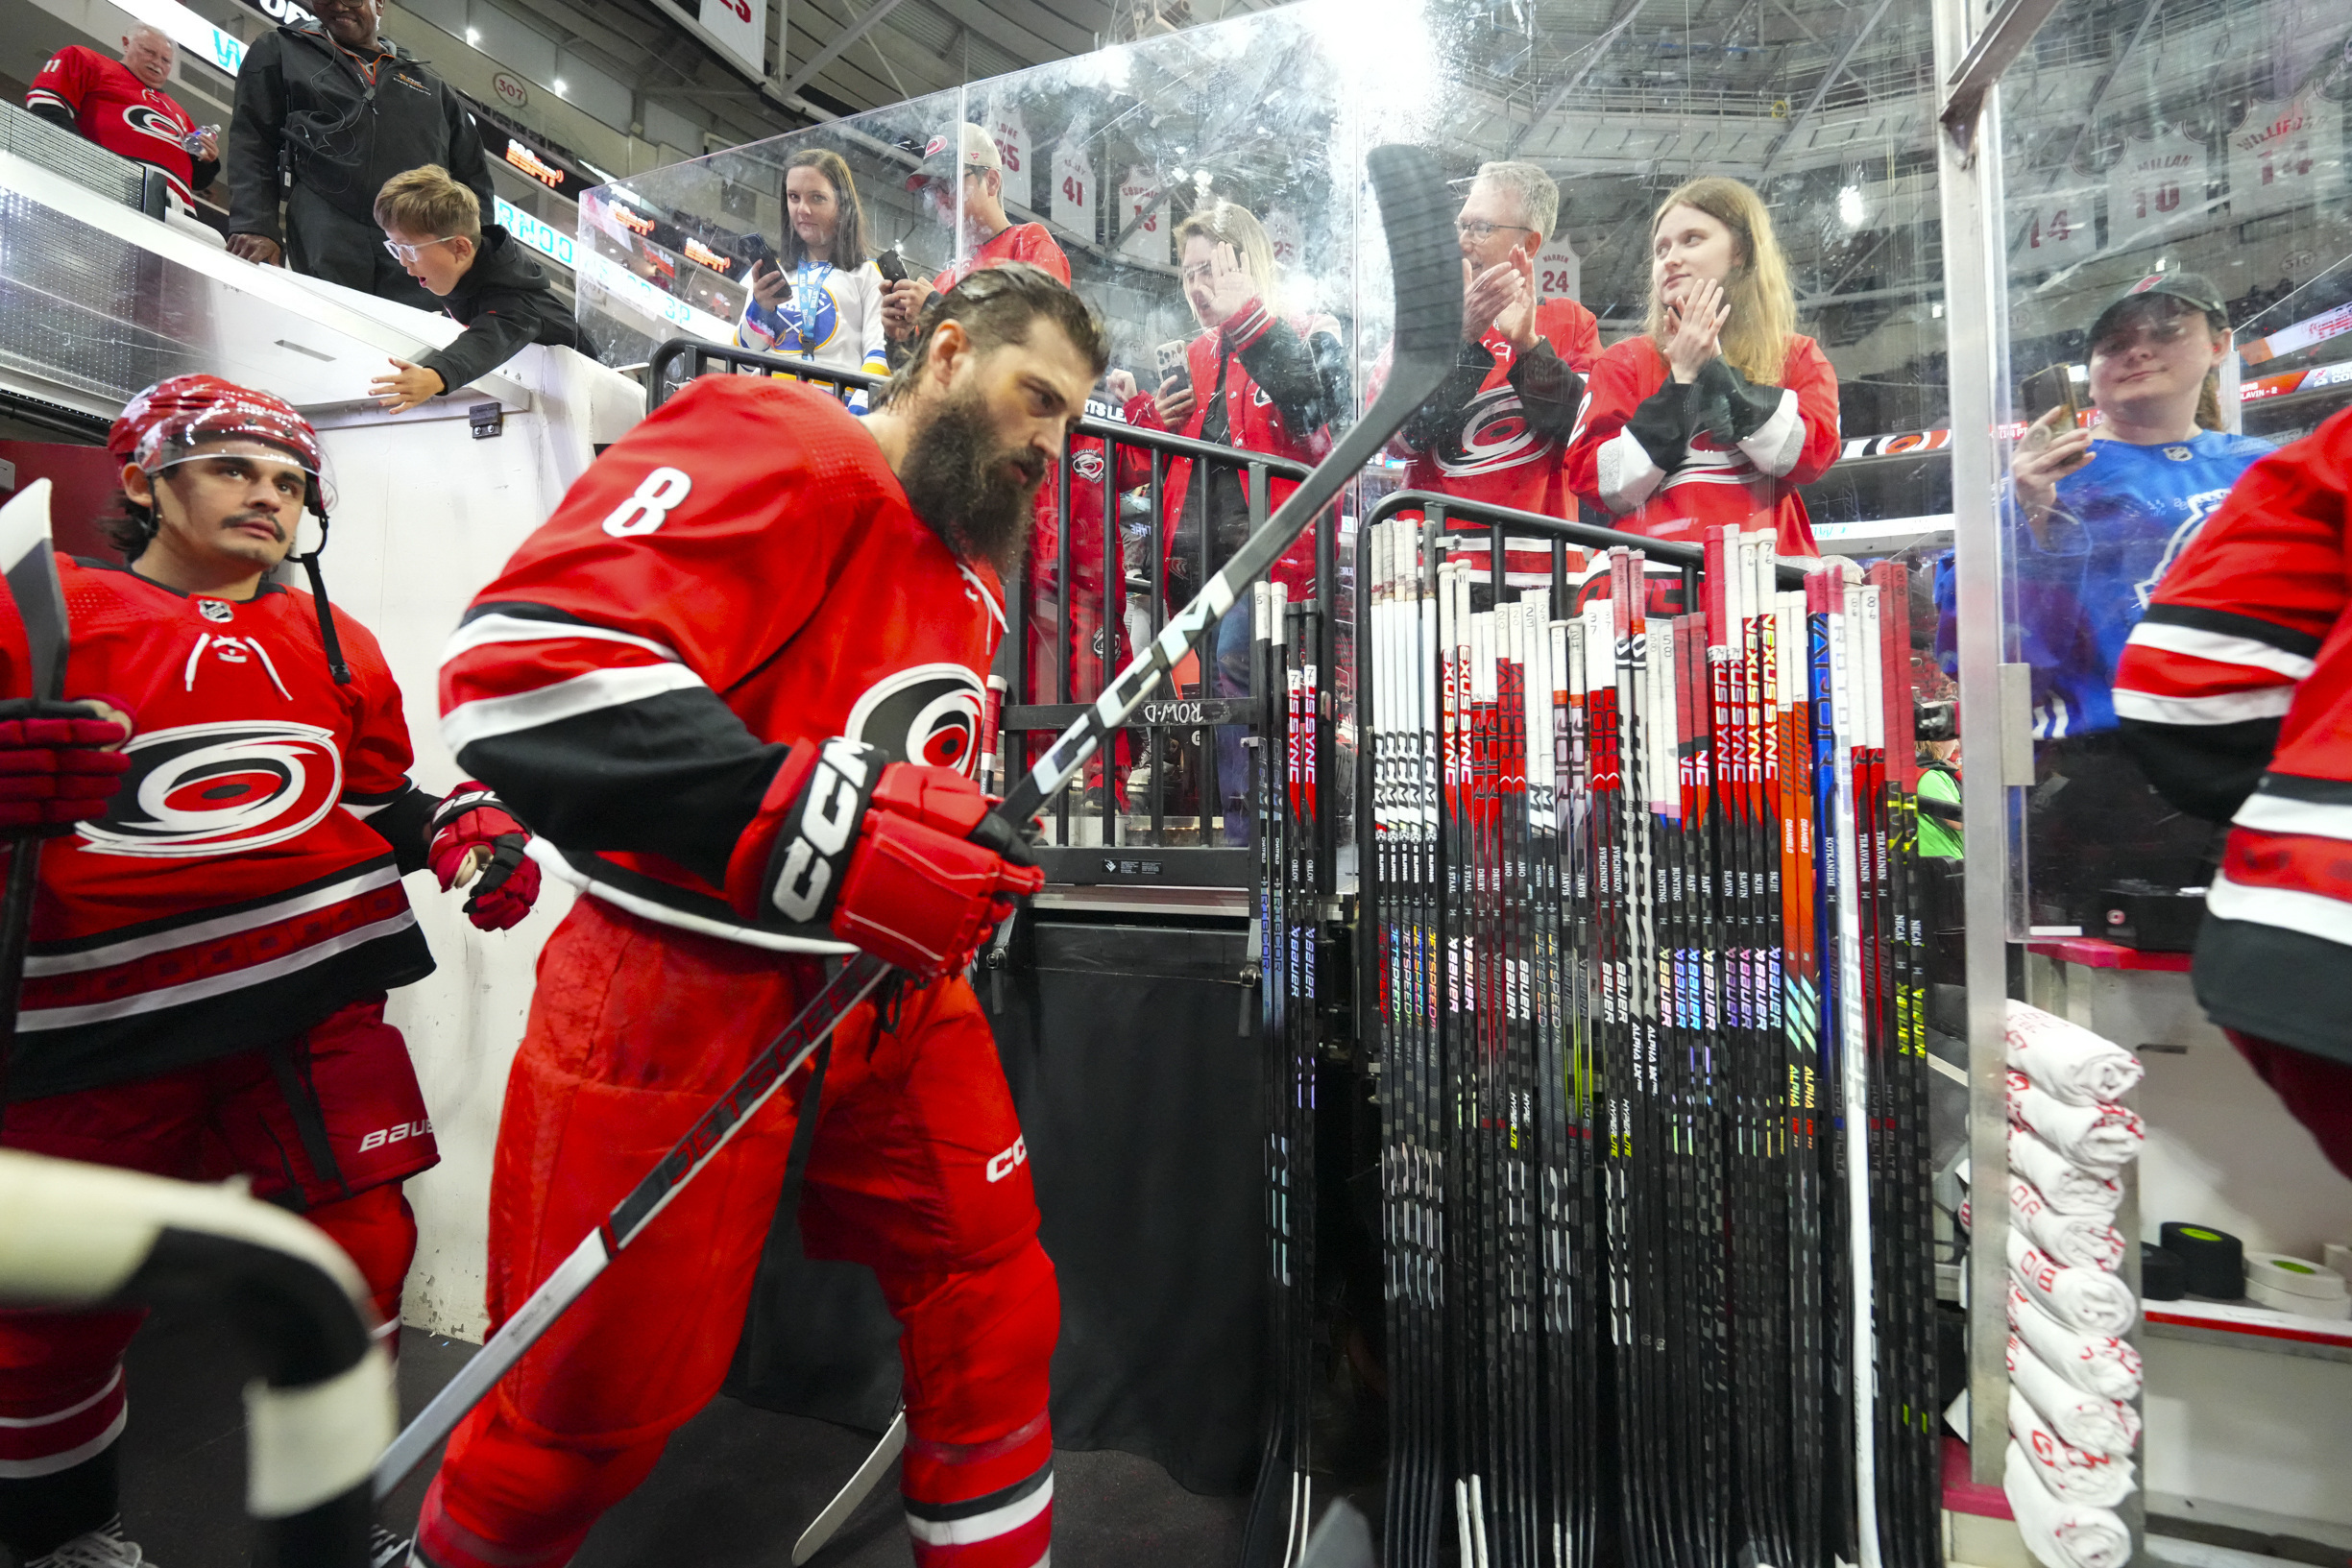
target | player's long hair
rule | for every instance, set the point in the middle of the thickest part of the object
(996, 306)
(849, 250)
(1763, 306)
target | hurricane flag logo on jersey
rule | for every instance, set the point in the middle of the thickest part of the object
(150, 121)
(1494, 435)
(203, 789)
(929, 713)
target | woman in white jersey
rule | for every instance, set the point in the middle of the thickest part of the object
(824, 304)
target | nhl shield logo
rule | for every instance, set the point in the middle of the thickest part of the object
(215, 610)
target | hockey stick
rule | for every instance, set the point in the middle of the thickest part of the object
(29, 565)
(1426, 265)
(853, 1492)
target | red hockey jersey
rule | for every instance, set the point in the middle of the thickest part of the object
(237, 890)
(1030, 242)
(739, 572)
(119, 112)
(2234, 692)
(1751, 482)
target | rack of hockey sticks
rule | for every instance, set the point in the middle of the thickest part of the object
(1650, 1060)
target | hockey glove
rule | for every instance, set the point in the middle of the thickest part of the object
(472, 828)
(58, 765)
(903, 860)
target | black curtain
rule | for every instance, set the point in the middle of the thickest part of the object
(1141, 1103)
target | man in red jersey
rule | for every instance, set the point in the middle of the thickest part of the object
(122, 106)
(967, 190)
(204, 994)
(739, 674)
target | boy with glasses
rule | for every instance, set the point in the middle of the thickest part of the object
(433, 228)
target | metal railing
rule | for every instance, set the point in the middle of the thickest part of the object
(1067, 622)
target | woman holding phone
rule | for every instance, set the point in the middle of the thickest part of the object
(824, 304)
(1252, 379)
(2098, 512)
(1721, 408)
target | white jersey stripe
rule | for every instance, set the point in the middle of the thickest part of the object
(2289, 909)
(214, 985)
(1779, 441)
(2220, 648)
(487, 717)
(206, 930)
(485, 630)
(2224, 708)
(2266, 813)
(50, 1464)
(1625, 473)
(552, 861)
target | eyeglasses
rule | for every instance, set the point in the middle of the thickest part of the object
(408, 253)
(1477, 234)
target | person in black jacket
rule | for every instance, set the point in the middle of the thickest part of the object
(433, 228)
(342, 110)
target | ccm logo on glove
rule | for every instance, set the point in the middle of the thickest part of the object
(901, 859)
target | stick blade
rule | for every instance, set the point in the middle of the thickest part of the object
(1424, 257)
(28, 563)
(1342, 1540)
(846, 1502)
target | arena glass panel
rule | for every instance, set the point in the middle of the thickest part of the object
(2191, 149)
(1825, 111)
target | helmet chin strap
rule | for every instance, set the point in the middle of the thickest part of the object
(316, 500)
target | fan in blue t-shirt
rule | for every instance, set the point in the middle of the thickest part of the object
(2094, 520)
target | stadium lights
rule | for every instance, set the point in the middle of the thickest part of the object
(1849, 204)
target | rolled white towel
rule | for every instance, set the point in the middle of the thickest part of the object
(2099, 1363)
(2072, 1475)
(2064, 1186)
(2099, 1138)
(2084, 1299)
(2067, 1061)
(2062, 1534)
(2091, 1423)
(2085, 1241)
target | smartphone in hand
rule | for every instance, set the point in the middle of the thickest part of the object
(892, 265)
(2048, 388)
(762, 272)
(1172, 358)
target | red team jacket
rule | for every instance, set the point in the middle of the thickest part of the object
(1029, 242)
(1252, 423)
(2234, 692)
(738, 573)
(119, 112)
(1748, 483)
(235, 892)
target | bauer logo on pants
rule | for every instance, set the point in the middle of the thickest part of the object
(1001, 1165)
(401, 1134)
(204, 789)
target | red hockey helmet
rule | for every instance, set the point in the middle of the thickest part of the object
(163, 422)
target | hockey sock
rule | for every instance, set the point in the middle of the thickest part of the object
(507, 1498)
(40, 1513)
(378, 1231)
(981, 1505)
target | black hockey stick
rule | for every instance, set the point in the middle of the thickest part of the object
(1426, 264)
(30, 564)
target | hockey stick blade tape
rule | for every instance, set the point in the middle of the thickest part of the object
(1424, 256)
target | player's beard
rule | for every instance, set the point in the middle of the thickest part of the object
(957, 482)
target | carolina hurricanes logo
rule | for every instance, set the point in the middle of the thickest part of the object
(929, 713)
(219, 790)
(150, 121)
(810, 318)
(1087, 465)
(1494, 435)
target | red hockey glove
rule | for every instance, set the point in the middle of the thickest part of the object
(58, 765)
(901, 859)
(472, 827)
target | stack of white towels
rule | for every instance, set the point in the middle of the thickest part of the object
(2074, 1382)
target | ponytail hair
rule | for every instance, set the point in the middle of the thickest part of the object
(1763, 305)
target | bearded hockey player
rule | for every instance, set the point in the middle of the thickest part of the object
(741, 673)
(210, 947)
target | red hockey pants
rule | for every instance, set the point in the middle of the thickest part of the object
(917, 1171)
(344, 1089)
